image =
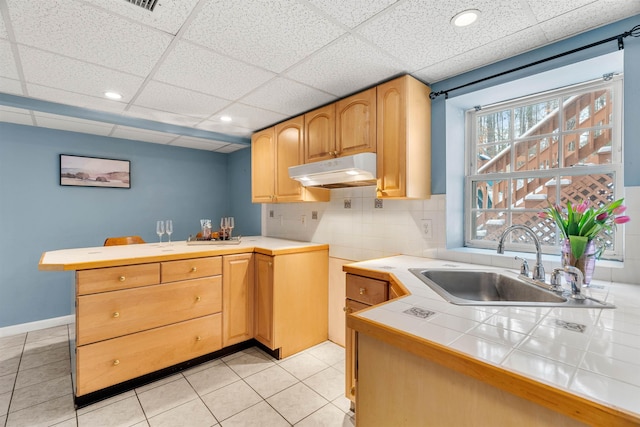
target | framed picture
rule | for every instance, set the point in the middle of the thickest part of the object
(94, 172)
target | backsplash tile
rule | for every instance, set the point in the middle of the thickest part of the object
(364, 232)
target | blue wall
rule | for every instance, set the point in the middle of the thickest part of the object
(38, 215)
(631, 90)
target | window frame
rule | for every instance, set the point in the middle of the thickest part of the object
(615, 167)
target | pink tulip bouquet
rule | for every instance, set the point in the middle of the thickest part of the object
(583, 223)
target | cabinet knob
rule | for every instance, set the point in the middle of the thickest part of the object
(116, 362)
(116, 314)
(270, 264)
(198, 338)
(347, 310)
(194, 269)
(198, 299)
(363, 291)
(122, 278)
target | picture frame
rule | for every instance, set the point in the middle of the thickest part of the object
(83, 171)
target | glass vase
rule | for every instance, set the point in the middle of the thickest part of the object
(586, 263)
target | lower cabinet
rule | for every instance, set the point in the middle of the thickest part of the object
(361, 292)
(291, 297)
(237, 298)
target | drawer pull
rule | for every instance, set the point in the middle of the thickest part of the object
(270, 263)
(198, 338)
(198, 299)
(122, 278)
(194, 269)
(116, 362)
(347, 310)
(363, 291)
(116, 314)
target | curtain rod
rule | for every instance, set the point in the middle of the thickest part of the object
(634, 32)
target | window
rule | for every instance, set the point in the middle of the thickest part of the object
(521, 158)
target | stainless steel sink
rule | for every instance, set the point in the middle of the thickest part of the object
(473, 287)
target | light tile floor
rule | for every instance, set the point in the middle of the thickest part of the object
(248, 388)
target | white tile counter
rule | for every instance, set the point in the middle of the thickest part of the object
(593, 353)
(106, 256)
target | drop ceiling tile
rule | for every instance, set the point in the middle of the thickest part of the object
(70, 124)
(272, 34)
(75, 99)
(346, 66)
(250, 117)
(10, 86)
(162, 116)
(15, 115)
(287, 97)
(202, 70)
(590, 16)
(495, 51)
(64, 73)
(164, 97)
(231, 148)
(421, 36)
(547, 9)
(97, 36)
(137, 134)
(198, 143)
(4, 34)
(225, 128)
(352, 12)
(168, 15)
(7, 65)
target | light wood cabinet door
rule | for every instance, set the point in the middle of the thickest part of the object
(263, 166)
(110, 362)
(320, 134)
(404, 139)
(289, 152)
(356, 123)
(112, 314)
(263, 303)
(237, 298)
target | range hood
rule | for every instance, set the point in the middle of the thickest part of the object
(349, 171)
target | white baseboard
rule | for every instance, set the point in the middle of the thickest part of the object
(34, 326)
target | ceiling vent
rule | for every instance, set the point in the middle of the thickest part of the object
(145, 4)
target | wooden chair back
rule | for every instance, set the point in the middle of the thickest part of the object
(123, 240)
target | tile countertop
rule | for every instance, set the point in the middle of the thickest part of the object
(593, 353)
(107, 256)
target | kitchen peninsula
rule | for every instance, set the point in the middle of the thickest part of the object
(148, 310)
(424, 361)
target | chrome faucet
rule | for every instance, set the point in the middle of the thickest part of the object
(575, 281)
(538, 269)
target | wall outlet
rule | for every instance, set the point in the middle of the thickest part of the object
(377, 203)
(314, 214)
(303, 219)
(427, 229)
(347, 203)
(271, 213)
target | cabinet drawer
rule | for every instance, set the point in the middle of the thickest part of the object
(172, 271)
(353, 306)
(113, 361)
(113, 314)
(366, 290)
(114, 278)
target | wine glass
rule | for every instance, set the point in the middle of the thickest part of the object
(169, 229)
(230, 225)
(224, 224)
(160, 230)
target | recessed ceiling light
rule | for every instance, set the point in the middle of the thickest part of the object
(225, 118)
(113, 95)
(466, 17)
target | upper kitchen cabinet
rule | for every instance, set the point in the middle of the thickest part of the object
(273, 150)
(320, 134)
(404, 139)
(356, 124)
